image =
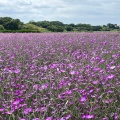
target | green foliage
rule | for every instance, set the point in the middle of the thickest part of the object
(96, 28)
(86, 27)
(11, 25)
(69, 28)
(4, 20)
(56, 23)
(31, 27)
(43, 24)
(54, 28)
(111, 26)
(1, 27)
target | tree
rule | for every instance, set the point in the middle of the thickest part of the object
(56, 23)
(4, 20)
(96, 28)
(43, 24)
(111, 26)
(60, 29)
(84, 27)
(10, 23)
(14, 24)
(69, 28)
(54, 28)
(1, 27)
(72, 25)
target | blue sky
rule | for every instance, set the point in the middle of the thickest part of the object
(94, 12)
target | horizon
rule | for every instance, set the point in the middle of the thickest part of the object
(99, 12)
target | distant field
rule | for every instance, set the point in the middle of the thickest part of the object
(60, 76)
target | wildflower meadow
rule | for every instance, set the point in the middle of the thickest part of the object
(60, 76)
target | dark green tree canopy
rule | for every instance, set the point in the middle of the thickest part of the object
(8, 23)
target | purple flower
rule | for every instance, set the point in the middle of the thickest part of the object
(2, 109)
(45, 67)
(72, 72)
(83, 99)
(36, 119)
(27, 110)
(67, 117)
(96, 69)
(68, 92)
(36, 86)
(110, 76)
(10, 112)
(49, 118)
(16, 101)
(116, 117)
(88, 116)
(53, 66)
(17, 71)
(95, 82)
(43, 109)
(11, 71)
(105, 118)
(62, 118)
(44, 86)
(112, 67)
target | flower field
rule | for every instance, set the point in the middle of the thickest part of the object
(60, 76)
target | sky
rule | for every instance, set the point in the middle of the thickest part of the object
(94, 12)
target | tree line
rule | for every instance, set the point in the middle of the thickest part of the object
(8, 24)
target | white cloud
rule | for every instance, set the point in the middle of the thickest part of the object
(67, 11)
